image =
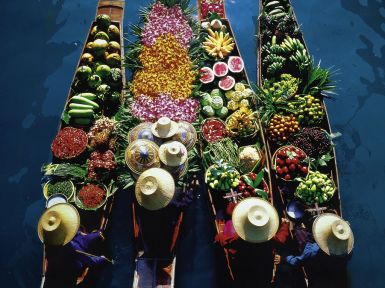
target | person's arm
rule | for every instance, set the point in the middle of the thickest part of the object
(310, 251)
(90, 260)
(282, 233)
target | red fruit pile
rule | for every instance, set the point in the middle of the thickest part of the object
(92, 195)
(291, 163)
(248, 190)
(99, 163)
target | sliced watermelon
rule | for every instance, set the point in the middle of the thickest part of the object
(226, 83)
(235, 64)
(206, 75)
(220, 69)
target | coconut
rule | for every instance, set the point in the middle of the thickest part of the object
(94, 81)
(113, 32)
(99, 47)
(113, 47)
(103, 21)
(114, 60)
(87, 58)
(102, 35)
(216, 24)
(83, 72)
(103, 71)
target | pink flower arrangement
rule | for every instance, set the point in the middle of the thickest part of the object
(151, 109)
(214, 6)
(163, 20)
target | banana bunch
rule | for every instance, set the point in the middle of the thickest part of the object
(291, 45)
(275, 9)
(219, 44)
(302, 59)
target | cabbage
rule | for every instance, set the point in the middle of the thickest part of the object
(208, 111)
(222, 112)
(217, 102)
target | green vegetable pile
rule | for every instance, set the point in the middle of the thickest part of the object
(285, 88)
(63, 187)
(224, 149)
(213, 104)
(222, 177)
(317, 188)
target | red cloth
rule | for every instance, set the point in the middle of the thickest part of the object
(282, 234)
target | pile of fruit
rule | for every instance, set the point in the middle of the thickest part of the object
(291, 163)
(99, 77)
(253, 185)
(69, 143)
(222, 177)
(218, 44)
(316, 188)
(220, 70)
(241, 123)
(239, 97)
(281, 127)
(213, 105)
(308, 110)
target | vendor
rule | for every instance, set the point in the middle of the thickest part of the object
(324, 252)
(66, 248)
(250, 237)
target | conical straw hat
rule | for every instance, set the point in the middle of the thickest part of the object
(186, 134)
(154, 189)
(173, 153)
(141, 131)
(333, 235)
(164, 128)
(255, 220)
(58, 224)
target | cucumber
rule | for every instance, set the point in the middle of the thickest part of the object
(80, 106)
(82, 100)
(81, 113)
(89, 96)
(272, 3)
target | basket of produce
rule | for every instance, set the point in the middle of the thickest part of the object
(222, 150)
(64, 187)
(222, 177)
(253, 185)
(213, 129)
(290, 163)
(317, 188)
(69, 143)
(241, 124)
(213, 104)
(251, 158)
(91, 196)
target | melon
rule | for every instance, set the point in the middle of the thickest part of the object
(226, 83)
(235, 64)
(220, 69)
(206, 75)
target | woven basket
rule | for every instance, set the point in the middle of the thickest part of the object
(80, 204)
(274, 161)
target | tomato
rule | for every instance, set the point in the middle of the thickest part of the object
(294, 160)
(288, 161)
(279, 171)
(287, 177)
(304, 170)
(246, 194)
(292, 167)
(285, 170)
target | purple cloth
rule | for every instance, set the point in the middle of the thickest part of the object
(81, 242)
(310, 251)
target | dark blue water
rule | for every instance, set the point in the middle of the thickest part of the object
(42, 40)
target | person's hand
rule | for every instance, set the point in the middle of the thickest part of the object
(285, 220)
(277, 259)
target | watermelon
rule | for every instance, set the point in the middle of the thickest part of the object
(235, 64)
(226, 83)
(206, 75)
(220, 69)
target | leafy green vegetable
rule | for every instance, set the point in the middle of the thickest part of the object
(317, 80)
(65, 170)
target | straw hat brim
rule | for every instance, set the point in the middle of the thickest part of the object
(173, 130)
(66, 231)
(163, 194)
(322, 233)
(170, 162)
(245, 230)
(136, 167)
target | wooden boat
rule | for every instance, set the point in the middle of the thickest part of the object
(334, 205)
(155, 263)
(93, 220)
(218, 204)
